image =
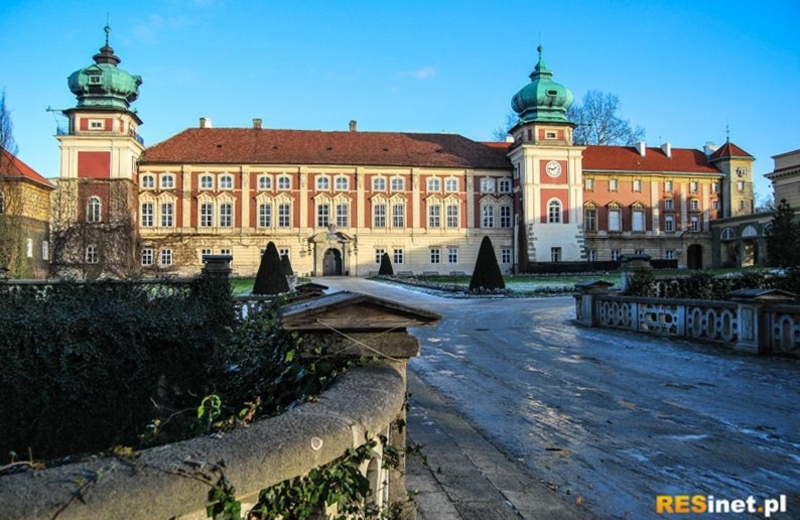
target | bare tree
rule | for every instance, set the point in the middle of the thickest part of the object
(11, 200)
(598, 121)
(86, 249)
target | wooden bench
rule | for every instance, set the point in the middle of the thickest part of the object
(405, 274)
(458, 273)
(430, 274)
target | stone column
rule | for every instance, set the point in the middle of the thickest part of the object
(585, 298)
(631, 265)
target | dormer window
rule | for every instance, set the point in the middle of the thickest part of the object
(96, 124)
(95, 79)
(550, 135)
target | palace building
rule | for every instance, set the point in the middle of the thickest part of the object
(335, 201)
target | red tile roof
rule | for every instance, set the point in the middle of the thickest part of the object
(627, 158)
(728, 150)
(12, 167)
(267, 146)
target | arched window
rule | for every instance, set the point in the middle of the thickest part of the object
(728, 234)
(148, 182)
(265, 183)
(323, 183)
(378, 184)
(93, 210)
(434, 185)
(226, 182)
(590, 217)
(554, 212)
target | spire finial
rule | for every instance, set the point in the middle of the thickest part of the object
(727, 133)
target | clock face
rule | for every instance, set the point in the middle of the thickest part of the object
(740, 171)
(553, 168)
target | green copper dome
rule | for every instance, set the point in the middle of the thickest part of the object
(542, 99)
(103, 85)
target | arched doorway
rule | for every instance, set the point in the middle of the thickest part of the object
(332, 263)
(694, 257)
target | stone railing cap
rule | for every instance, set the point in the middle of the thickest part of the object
(762, 294)
(349, 311)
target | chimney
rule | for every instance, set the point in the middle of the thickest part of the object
(641, 148)
(205, 122)
(667, 149)
(257, 123)
(353, 125)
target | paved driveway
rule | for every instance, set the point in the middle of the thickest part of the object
(611, 419)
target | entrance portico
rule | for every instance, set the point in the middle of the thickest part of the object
(330, 253)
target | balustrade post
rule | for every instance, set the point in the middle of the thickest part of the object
(754, 331)
(585, 308)
(359, 325)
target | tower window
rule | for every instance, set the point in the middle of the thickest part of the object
(93, 208)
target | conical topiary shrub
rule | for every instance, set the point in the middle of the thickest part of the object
(487, 272)
(386, 266)
(270, 278)
(287, 265)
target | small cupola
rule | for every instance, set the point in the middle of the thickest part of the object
(542, 100)
(103, 85)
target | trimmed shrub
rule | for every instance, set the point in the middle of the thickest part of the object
(386, 266)
(270, 278)
(487, 274)
(287, 265)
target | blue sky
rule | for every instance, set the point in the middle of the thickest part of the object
(683, 70)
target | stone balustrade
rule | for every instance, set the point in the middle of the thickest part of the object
(752, 321)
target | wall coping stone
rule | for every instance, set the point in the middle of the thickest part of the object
(363, 400)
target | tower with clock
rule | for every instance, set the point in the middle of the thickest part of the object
(736, 186)
(547, 173)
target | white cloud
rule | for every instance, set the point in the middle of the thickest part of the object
(420, 74)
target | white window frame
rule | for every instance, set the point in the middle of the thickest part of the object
(452, 255)
(378, 184)
(398, 256)
(226, 182)
(265, 215)
(265, 182)
(167, 182)
(284, 215)
(436, 255)
(167, 214)
(284, 182)
(148, 182)
(323, 183)
(487, 216)
(554, 212)
(453, 219)
(434, 185)
(94, 210)
(398, 216)
(451, 185)
(206, 210)
(226, 214)
(147, 257)
(434, 216)
(148, 214)
(342, 183)
(379, 215)
(206, 182)
(342, 215)
(323, 215)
